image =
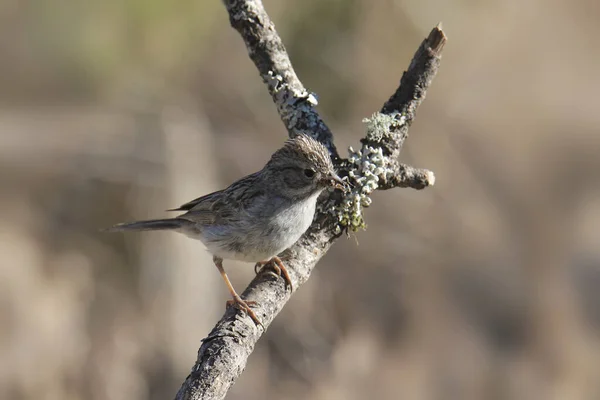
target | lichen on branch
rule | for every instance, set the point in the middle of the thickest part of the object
(364, 169)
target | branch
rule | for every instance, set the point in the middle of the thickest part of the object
(411, 92)
(402, 106)
(223, 354)
(405, 176)
(294, 103)
(375, 165)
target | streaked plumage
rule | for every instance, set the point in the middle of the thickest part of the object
(260, 215)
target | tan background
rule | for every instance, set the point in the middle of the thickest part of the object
(486, 286)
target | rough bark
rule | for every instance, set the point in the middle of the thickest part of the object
(223, 354)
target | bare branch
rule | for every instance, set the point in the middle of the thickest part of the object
(224, 353)
(405, 176)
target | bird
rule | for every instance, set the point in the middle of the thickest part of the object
(259, 216)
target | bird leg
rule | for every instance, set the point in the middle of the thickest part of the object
(237, 301)
(275, 265)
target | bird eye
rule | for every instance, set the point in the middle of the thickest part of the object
(309, 173)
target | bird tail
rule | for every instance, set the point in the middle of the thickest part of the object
(150, 225)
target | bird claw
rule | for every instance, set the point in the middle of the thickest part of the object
(258, 267)
(275, 266)
(244, 305)
(269, 267)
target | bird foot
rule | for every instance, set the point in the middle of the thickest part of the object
(243, 305)
(264, 265)
(276, 267)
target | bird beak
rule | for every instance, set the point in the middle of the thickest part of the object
(337, 182)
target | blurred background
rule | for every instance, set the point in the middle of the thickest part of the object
(485, 286)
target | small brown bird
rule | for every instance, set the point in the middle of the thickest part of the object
(260, 215)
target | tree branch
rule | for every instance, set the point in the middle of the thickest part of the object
(294, 103)
(410, 94)
(405, 176)
(223, 354)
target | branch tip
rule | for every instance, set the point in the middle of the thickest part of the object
(405, 176)
(437, 38)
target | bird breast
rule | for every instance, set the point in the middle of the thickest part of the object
(269, 230)
(290, 223)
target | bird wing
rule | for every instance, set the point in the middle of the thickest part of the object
(222, 206)
(206, 199)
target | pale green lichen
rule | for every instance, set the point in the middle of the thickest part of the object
(380, 123)
(365, 166)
